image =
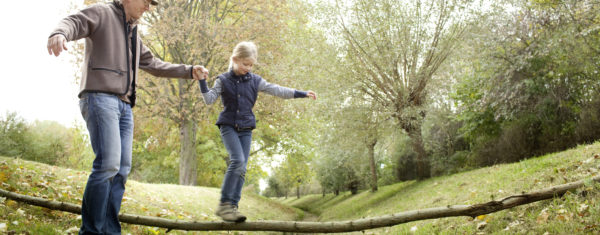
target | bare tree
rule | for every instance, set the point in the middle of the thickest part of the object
(395, 48)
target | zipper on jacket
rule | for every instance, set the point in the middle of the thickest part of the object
(126, 29)
(110, 70)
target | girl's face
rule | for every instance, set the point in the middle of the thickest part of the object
(243, 66)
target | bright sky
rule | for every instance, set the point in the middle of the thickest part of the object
(34, 84)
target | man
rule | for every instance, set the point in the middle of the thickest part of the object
(113, 55)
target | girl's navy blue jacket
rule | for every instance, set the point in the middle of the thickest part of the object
(238, 94)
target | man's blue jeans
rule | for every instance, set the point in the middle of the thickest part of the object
(110, 124)
(237, 144)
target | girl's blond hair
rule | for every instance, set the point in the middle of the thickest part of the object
(243, 50)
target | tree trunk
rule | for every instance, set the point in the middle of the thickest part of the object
(422, 161)
(298, 191)
(373, 168)
(187, 158)
(353, 187)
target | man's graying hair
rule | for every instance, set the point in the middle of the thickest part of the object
(243, 50)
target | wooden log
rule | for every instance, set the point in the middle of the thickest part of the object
(322, 227)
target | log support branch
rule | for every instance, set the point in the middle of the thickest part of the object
(322, 227)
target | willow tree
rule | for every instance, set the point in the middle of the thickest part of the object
(396, 48)
(198, 32)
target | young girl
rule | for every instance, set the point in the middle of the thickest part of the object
(239, 89)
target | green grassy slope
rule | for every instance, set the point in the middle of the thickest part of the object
(162, 200)
(576, 213)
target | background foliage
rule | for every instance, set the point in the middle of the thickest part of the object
(405, 91)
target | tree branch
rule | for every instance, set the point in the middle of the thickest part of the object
(321, 227)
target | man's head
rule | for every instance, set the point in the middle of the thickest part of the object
(134, 9)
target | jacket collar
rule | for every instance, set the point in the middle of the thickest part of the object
(243, 78)
(120, 11)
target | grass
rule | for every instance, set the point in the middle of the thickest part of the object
(162, 200)
(577, 212)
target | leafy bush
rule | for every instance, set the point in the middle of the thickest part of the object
(45, 141)
(13, 135)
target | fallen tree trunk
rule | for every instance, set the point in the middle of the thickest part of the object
(322, 227)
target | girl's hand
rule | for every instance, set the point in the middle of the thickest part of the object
(311, 94)
(200, 73)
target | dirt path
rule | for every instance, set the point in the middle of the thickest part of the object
(310, 217)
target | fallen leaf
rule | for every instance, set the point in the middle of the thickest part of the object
(590, 226)
(20, 212)
(153, 231)
(11, 203)
(47, 210)
(565, 217)
(583, 208)
(72, 230)
(512, 224)
(543, 216)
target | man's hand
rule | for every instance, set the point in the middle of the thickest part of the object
(200, 73)
(56, 44)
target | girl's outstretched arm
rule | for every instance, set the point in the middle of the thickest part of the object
(282, 92)
(210, 95)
